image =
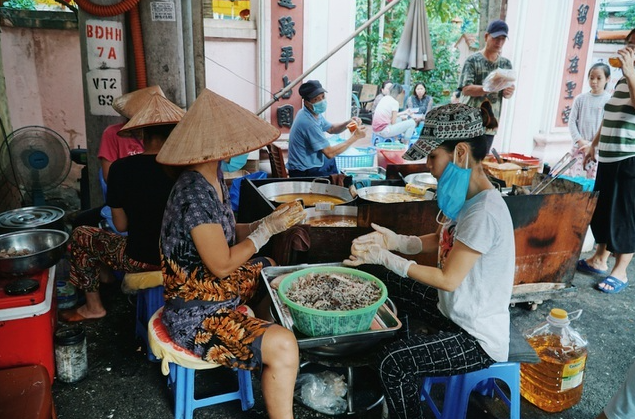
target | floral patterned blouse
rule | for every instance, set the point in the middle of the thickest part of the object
(193, 202)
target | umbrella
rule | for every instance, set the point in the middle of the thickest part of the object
(414, 50)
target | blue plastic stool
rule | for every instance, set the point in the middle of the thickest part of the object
(181, 380)
(148, 302)
(376, 138)
(149, 299)
(459, 387)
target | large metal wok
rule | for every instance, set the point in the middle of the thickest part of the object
(45, 248)
(338, 216)
(390, 194)
(309, 192)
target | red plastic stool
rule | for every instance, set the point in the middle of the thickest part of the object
(25, 393)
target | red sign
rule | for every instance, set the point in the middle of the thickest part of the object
(578, 42)
(287, 18)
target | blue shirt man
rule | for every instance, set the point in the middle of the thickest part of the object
(310, 153)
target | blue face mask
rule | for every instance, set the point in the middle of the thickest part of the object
(319, 107)
(452, 189)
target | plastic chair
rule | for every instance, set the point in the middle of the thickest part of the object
(149, 289)
(181, 379)
(459, 387)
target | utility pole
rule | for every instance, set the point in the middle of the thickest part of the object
(102, 48)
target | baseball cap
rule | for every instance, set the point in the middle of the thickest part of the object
(497, 28)
(452, 122)
(311, 89)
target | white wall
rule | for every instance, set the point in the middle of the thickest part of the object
(319, 39)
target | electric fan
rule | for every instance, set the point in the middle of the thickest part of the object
(35, 159)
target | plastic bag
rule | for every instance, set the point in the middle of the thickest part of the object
(499, 79)
(323, 392)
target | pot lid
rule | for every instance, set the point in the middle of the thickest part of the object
(21, 286)
(30, 217)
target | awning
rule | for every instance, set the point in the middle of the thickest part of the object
(414, 50)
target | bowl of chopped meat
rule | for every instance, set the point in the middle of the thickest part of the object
(332, 300)
(29, 251)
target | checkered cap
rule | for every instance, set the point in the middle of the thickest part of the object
(453, 122)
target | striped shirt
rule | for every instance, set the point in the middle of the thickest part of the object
(617, 138)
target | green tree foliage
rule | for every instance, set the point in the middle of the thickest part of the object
(629, 14)
(443, 35)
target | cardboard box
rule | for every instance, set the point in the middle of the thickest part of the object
(27, 325)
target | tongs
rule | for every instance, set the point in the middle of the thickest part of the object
(558, 170)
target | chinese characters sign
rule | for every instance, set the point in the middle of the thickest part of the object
(286, 60)
(578, 42)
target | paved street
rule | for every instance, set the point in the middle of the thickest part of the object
(123, 384)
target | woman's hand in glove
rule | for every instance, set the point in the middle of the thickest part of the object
(376, 255)
(283, 217)
(388, 239)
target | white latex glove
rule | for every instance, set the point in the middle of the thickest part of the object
(376, 255)
(388, 239)
(278, 221)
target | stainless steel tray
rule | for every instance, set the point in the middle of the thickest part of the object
(385, 324)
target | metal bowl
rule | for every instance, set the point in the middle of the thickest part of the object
(422, 179)
(46, 248)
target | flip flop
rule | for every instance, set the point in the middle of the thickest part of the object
(583, 266)
(617, 284)
(72, 316)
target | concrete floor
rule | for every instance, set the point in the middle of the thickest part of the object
(122, 383)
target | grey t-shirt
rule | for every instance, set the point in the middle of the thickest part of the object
(480, 305)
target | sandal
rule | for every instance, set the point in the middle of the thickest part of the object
(583, 266)
(616, 285)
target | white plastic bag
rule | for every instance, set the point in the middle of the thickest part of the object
(499, 79)
(323, 392)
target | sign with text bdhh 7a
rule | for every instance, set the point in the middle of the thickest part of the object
(105, 58)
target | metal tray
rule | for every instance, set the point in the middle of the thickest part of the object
(385, 324)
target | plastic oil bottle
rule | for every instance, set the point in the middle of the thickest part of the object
(556, 382)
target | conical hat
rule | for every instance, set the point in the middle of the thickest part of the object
(215, 128)
(130, 103)
(157, 111)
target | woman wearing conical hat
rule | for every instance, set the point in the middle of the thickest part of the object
(206, 258)
(137, 192)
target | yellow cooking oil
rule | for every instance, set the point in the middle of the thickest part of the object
(556, 382)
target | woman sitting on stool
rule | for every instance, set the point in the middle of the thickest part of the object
(388, 122)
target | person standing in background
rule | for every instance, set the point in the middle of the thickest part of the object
(586, 118)
(613, 221)
(478, 66)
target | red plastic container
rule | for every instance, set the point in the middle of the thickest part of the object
(390, 153)
(27, 324)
